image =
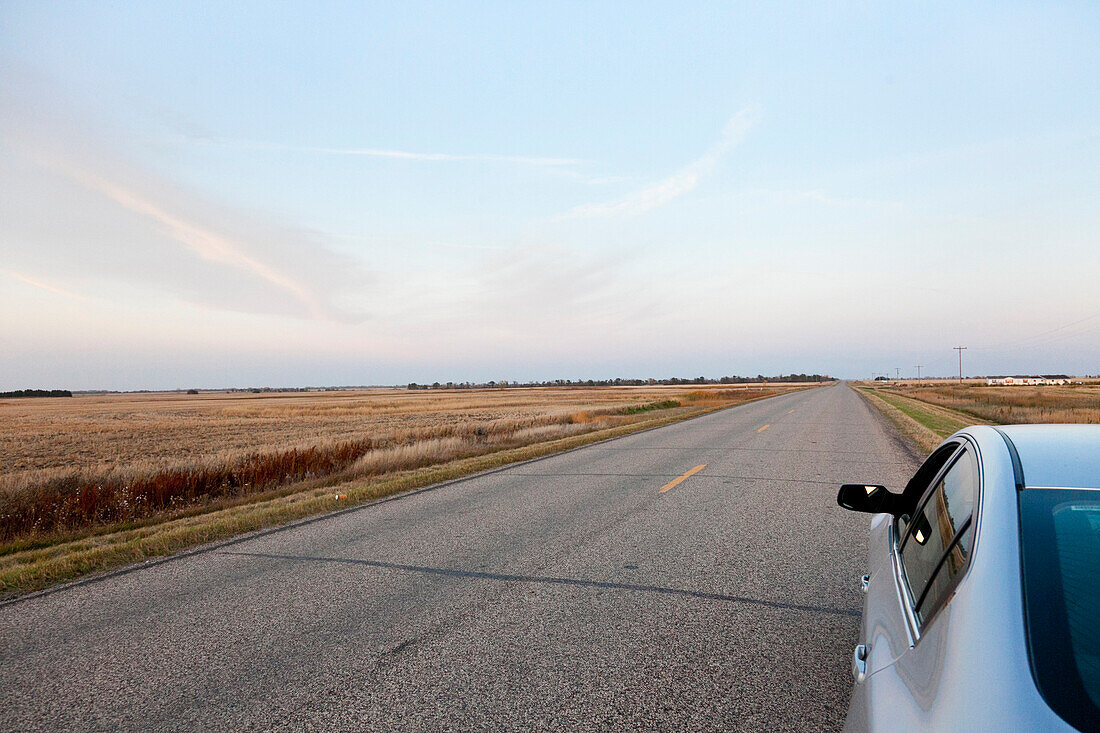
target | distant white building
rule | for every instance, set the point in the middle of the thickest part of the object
(1025, 381)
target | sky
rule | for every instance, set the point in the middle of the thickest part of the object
(288, 194)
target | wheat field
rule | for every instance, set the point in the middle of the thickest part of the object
(70, 464)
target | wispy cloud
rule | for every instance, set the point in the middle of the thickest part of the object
(679, 183)
(530, 160)
(44, 286)
(204, 242)
(456, 308)
(156, 235)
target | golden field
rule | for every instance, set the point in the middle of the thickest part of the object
(109, 430)
(71, 466)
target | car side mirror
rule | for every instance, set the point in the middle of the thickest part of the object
(866, 498)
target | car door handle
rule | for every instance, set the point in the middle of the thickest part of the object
(859, 662)
(864, 582)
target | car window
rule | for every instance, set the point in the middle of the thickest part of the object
(1060, 539)
(937, 541)
(939, 588)
(917, 487)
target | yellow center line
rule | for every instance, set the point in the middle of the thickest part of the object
(764, 428)
(676, 481)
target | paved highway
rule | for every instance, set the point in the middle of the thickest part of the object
(565, 593)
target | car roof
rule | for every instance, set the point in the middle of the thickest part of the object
(1057, 455)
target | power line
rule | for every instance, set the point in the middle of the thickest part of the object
(1023, 341)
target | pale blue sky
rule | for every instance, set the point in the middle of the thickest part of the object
(317, 193)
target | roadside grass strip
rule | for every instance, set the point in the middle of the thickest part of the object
(924, 424)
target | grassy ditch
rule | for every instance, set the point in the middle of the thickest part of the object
(924, 425)
(940, 421)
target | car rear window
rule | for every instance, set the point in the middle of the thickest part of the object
(1060, 533)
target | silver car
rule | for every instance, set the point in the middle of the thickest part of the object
(982, 607)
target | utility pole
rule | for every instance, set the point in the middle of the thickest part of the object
(897, 374)
(960, 349)
(919, 367)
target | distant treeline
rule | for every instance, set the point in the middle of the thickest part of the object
(37, 393)
(253, 390)
(261, 390)
(619, 382)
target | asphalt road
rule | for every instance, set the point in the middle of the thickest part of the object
(564, 593)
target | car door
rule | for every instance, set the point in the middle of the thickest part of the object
(929, 554)
(935, 552)
(935, 547)
(890, 627)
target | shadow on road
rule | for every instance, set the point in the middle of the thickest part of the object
(479, 575)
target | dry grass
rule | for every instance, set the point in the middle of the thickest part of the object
(929, 412)
(922, 424)
(93, 466)
(1012, 405)
(124, 429)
